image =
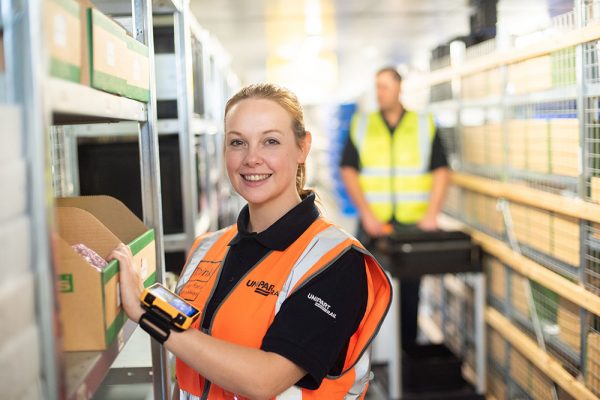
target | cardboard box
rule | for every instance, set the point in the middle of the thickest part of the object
(540, 223)
(520, 369)
(519, 295)
(497, 278)
(15, 246)
(569, 324)
(595, 189)
(564, 146)
(138, 77)
(496, 387)
(109, 55)
(566, 240)
(541, 386)
(64, 39)
(13, 181)
(497, 347)
(592, 376)
(537, 147)
(89, 301)
(495, 144)
(517, 144)
(539, 73)
(12, 136)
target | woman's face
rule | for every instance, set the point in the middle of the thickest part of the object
(261, 152)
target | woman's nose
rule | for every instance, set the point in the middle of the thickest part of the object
(253, 156)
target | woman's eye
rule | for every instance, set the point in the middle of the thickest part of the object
(236, 143)
(272, 141)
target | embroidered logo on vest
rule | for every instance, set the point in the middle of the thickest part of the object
(319, 303)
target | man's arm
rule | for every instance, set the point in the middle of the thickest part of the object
(441, 180)
(369, 222)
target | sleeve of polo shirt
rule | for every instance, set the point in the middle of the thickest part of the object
(438, 153)
(313, 333)
(350, 156)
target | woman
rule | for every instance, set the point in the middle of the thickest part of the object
(290, 303)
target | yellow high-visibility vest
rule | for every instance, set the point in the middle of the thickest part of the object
(394, 173)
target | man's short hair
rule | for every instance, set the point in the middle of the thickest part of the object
(395, 74)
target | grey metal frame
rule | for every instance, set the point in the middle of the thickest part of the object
(29, 85)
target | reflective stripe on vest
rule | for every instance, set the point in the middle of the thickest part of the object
(402, 181)
(317, 249)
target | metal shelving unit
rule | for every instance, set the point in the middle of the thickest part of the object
(539, 132)
(50, 101)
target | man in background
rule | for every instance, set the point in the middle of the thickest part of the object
(396, 172)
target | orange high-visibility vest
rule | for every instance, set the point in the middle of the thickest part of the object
(246, 313)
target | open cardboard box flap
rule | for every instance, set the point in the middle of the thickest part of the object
(109, 211)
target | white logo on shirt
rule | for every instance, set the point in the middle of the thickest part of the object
(319, 303)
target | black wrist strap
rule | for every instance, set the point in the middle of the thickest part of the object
(156, 326)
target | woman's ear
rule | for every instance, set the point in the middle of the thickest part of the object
(305, 147)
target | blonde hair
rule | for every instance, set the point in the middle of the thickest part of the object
(290, 103)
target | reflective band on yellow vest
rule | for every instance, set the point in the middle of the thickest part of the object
(248, 310)
(395, 169)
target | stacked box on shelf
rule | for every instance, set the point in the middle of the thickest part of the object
(539, 237)
(537, 151)
(494, 144)
(592, 373)
(517, 144)
(118, 63)
(496, 347)
(541, 387)
(520, 222)
(520, 369)
(569, 324)
(496, 278)
(595, 189)
(64, 40)
(519, 294)
(473, 145)
(564, 146)
(566, 240)
(90, 308)
(496, 386)
(494, 78)
(532, 75)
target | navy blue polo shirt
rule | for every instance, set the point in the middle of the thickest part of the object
(300, 332)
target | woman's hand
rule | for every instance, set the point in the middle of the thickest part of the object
(130, 282)
(371, 225)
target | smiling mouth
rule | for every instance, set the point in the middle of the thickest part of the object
(256, 177)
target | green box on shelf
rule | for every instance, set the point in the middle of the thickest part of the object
(138, 71)
(90, 306)
(108, 53)
(63, 39)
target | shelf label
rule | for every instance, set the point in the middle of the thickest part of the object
(65, 283)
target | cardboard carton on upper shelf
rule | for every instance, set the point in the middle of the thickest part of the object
(497, 347)
(64, 40)
(537, 145)
(564, 146)
(495, 144)
(138, 73)
(497, 278)
(595, 189)
(541, 386)
(520, 369)
(592, 376)
(566, 240)
(519, 294)
(90, 309)
(569, 324)
(517, 144)
(109, 55)
(540, 223)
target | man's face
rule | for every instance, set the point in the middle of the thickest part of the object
(388, 90)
